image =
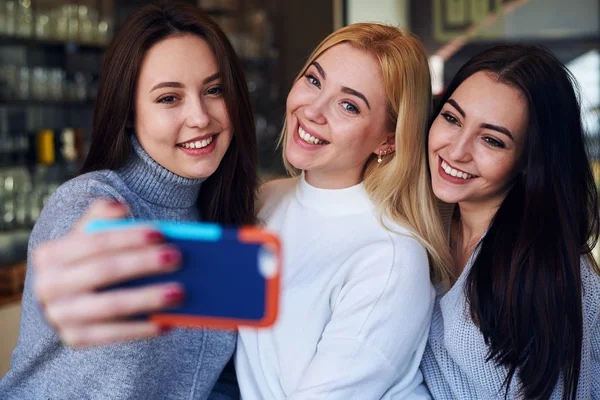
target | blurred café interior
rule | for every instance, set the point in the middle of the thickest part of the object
(51, 52)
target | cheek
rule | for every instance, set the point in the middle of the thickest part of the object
(500, 170)
(435, 138)
(299, 95)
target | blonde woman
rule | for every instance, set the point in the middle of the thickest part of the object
(361, 232)
(358, 226)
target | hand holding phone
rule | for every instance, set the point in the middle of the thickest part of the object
(230, 275)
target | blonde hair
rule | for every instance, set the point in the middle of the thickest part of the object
(400, 185)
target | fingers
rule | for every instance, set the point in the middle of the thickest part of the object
(77, 247)
(104, 270)
(114, 304)
(109, 333)
(102, 209)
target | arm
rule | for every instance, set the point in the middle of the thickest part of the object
(378, 328)
(66, 267)
(595, 346)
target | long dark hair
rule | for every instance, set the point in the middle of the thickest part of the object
(227, 196)
(524, 289)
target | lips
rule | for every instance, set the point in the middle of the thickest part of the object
(199, 142)
(310, 137)
(455, 172)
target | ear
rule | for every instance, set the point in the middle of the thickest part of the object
(388, 145)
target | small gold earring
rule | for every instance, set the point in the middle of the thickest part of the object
(381, 154)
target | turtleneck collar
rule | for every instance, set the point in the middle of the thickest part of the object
(333, 202)
(156, 184)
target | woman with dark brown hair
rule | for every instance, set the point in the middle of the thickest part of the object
(173, 139)
(507, 150)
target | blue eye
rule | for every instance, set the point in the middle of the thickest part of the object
(215, 90)
(313, 81)
(351, 108)
(167, 100)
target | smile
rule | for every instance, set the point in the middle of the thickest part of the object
(308, 138)
(197, 144)
(455, 172)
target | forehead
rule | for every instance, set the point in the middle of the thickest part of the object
(357, 69)
(484, 99)
(178, 58)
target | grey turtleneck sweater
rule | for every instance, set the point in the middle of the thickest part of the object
(183, 364)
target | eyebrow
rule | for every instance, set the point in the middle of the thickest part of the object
(320, 69)
(496, 128)
(357, 94)
(345, 89)
(180, 85)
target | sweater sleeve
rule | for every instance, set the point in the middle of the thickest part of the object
(379, 325)
(595, 346)
(66, 205)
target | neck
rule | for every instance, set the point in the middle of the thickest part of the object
(468, 228)
(332, 179)
(156, 184)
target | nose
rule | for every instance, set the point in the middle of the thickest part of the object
(197, 114)
(460, 148)
(315, 109)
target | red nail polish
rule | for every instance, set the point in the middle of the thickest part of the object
(115, 204)
(164, 329)
(174, 296)
(169, 257)
(154, 237)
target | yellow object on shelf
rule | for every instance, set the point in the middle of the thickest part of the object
(45, 147)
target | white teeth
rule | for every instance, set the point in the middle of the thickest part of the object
(198, 144)
(307, 137)
(453, 172)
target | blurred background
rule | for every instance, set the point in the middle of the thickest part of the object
(51, 52)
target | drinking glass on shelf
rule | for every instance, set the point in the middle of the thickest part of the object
(88, 23)
(9, 12)
(42, 26)
(39, 83)
(23, 89)
(56, 83)
(103, 31)
(72, 11)
(61, 23)
(24, 18)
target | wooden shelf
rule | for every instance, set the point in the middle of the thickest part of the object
(12, 279)
(8, 300)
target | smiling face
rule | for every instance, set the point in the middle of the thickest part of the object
(476, 142)
(181, 119)
(337, 117)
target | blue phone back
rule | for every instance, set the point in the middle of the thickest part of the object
(220, 274)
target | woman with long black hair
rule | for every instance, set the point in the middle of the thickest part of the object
(522, 320)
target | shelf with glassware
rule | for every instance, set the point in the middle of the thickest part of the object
(251, 33)
(88, 23)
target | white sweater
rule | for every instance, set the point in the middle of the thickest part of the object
(356, 303)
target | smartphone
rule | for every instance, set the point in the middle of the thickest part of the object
(231, 276)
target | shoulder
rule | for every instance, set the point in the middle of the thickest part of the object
(93, 184)
(407, 248)
(591, 293)
(392, 249)
(272, 193)
(71, 200)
